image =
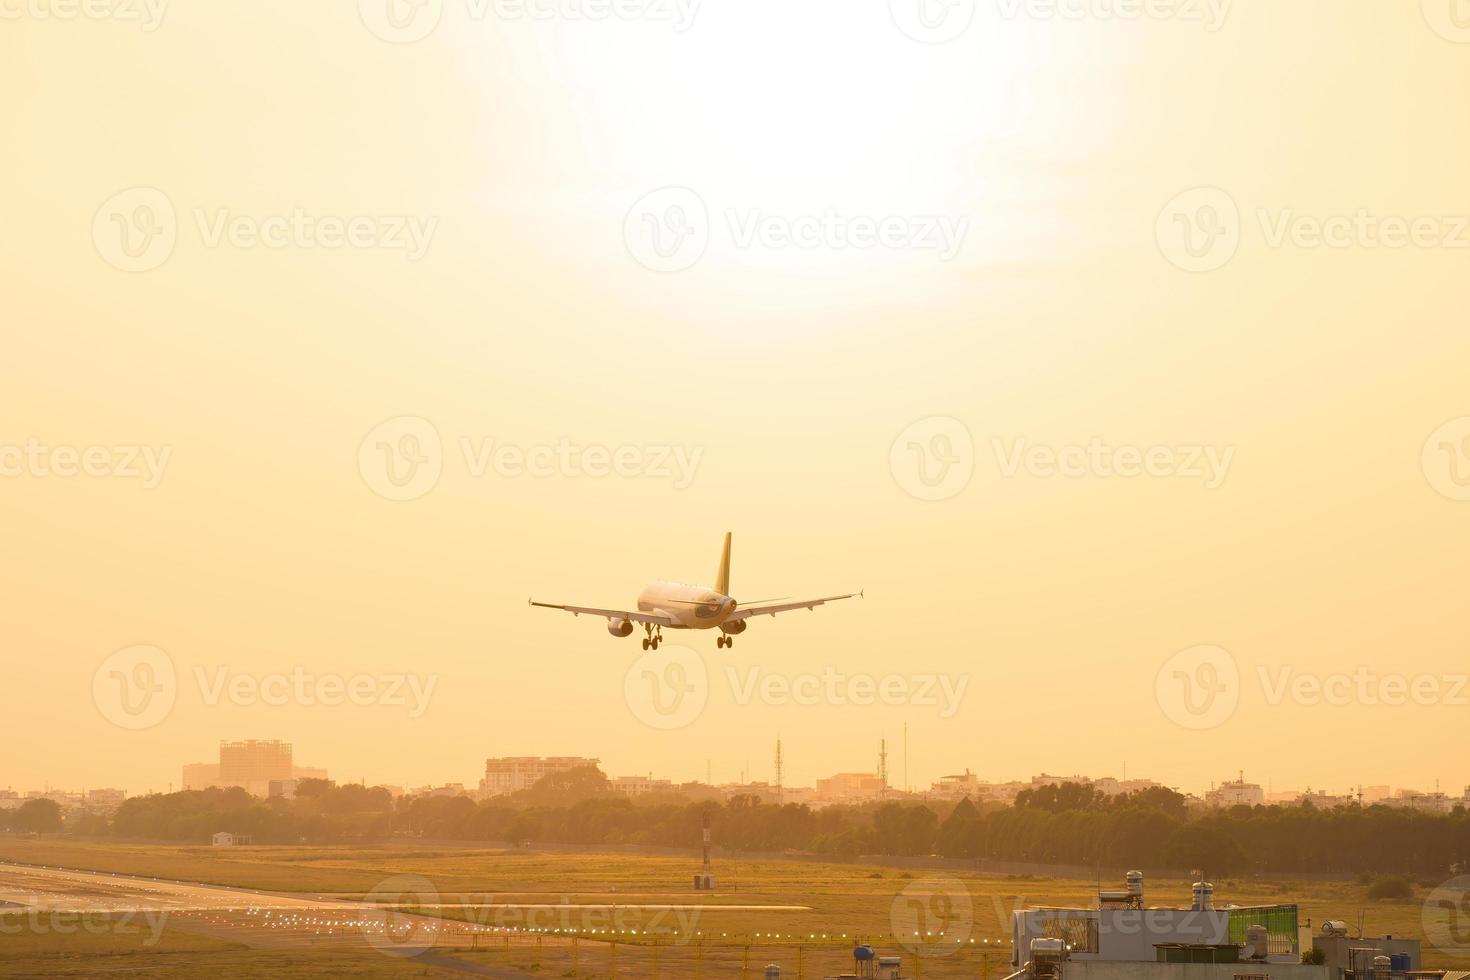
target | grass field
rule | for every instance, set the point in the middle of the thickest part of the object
(26, 953)
(598, 897)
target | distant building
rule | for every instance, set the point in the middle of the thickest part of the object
(765, 792)
(1409, 799)
(1323, 800)
(852, 787)
(223, 839)
(515, 773)
(104, 800)
(957, 787)
(252, 765)
(1237, 792)
(635, 786)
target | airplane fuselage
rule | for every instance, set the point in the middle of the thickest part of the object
(690, 607)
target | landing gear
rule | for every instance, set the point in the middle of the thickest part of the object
(654, 638)
(724, 641)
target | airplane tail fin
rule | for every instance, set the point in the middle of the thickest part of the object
(722, 580)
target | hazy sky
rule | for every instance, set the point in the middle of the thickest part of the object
(1121, 359)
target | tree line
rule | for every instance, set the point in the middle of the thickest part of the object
(1067, 824)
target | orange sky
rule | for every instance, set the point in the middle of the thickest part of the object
(1178, 299)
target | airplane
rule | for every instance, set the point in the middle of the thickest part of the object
(691, 607)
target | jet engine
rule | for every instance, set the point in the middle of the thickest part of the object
(734, 628)
(620, 627)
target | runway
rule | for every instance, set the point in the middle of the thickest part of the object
(77, 899)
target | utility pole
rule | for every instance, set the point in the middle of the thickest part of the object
(780, 794)
(907, 785)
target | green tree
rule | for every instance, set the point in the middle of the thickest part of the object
(37, 817)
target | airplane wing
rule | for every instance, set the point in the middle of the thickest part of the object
(781, 607)
(636, 617)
